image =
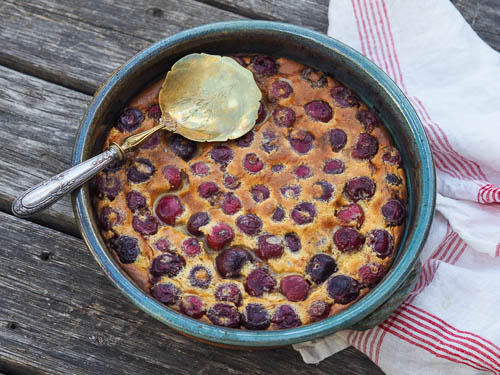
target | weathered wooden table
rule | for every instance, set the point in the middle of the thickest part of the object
(59, 314)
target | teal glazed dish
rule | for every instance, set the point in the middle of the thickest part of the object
(317, 51)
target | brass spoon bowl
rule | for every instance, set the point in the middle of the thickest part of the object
(204, 98)
(209, 98)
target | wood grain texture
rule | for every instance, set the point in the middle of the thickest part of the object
(76, 322)
(312, 14)
(484, 17)
(77, 44)
(80, 48)
(39, 121)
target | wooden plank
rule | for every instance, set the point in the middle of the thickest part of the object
(60, 315)
(78, 43)
(81, 53)
(39, 122)
(149, 19)
(312, 14)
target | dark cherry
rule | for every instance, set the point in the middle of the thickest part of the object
(230, 261)
(277, 168)
(260, 193)
(321, 267)
(220, 236)
(196, 221)
(107, 187)
(278, 214)
(295, 288)
(152, 142)
(192, 306)
(169, 264)
(269, 142)
(145, 224)
(109, 218)
(344, 97)
(208, 189)
(231, 182)
(230, 204)
(261, 113)
(370, 274)
(200, 276)
(114, 166)
(366, 147)
(222, 154)
(154, 112)
(394, 212)
(191, 247)
(264, 65)
(127, 248)
(368, 119)
(348, 239)
(281, 89)
(391, 156)
(343, 289)
(303, 171)
(392, 179)
(173, 175)
(258, 282)
(334, 166)
(291, 191)
(249, 224)
(314, 78)
(182, 147)
(169, 208)
(129, 120)
(240, 61)
(351, 214)
(200, 169)
(337, 138)
(301, 141)
(245, 140)
(319, 110)
(303, 213)
(255, 317)
(381, 242)
(252, 163)
(228, 292)
(285, 317)
(140, 170)
(224, 315)
(319, 310)
(163, 245)
(166, 293)
(326, 191)
(269, 246)
(292, 241)
(359, 188)
(284, 117)
(135, 200)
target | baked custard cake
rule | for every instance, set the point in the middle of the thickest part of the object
(285, 226)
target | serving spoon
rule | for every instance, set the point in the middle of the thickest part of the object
(204, 98)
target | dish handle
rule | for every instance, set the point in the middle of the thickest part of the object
(384, 311)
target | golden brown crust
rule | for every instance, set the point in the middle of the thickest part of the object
(315, 237)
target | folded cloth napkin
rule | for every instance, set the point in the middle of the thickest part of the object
(450, 322)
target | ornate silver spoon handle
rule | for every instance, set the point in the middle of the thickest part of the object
(50, 191)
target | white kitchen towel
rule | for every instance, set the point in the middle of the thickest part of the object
(450, 322)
